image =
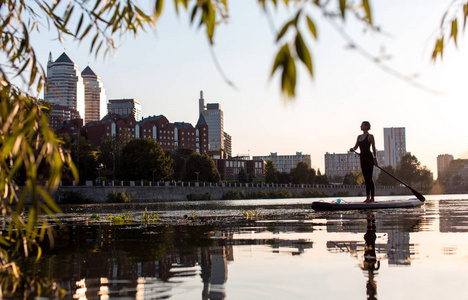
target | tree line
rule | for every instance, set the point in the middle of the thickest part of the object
(123, 158)
(301, 174)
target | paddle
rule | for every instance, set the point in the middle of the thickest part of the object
(416, 193)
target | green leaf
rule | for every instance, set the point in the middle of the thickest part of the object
(283, 30)
(438, 49)
(367, 9)
(454, 32)
(303, 53)
(312, 27)
(343, 8)
(159, 7)
(465, 14)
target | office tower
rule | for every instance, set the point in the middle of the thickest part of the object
(95, 96)
(394, 145)
(125, 107)
(64, 84)
(214, 118)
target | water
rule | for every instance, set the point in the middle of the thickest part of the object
(260, 249)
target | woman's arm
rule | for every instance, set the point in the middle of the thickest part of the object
(355, 146)
(374, 151)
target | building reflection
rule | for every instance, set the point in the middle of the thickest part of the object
(102, 261)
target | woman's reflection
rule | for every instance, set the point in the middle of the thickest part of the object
(370, 263)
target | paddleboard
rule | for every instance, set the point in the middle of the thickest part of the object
(330, 206)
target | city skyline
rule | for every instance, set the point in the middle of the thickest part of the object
(325, 116)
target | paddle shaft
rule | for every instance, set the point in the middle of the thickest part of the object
(416, 193)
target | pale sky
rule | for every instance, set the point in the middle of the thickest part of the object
(166, 68)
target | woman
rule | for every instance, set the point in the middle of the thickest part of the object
(365, 141)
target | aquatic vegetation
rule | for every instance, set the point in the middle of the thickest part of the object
(149, 218)
(252, 214)
(116, 220)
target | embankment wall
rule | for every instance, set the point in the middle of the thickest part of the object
(179, 193)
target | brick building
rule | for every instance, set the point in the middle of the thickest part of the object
(169, 135)
(60, 114)
(110, 125)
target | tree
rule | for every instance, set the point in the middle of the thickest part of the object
(426, 178)
(321, 179)
(201, 168)
(408, 169)
(242, 177)
(283, 177)
(145, 159)
(179, 158)
(300, 174)
(385, 179)
(353, 178)
(270, 173)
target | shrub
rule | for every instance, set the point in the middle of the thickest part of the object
(196, 197)
(73, 197)
(231, 195)
(118, 198)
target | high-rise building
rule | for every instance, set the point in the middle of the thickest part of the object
(284, 163)
(443, 162)
(125, 107)
(214, 118)
(64, 84)
(95, 96)
(394, 145)
(340, 164)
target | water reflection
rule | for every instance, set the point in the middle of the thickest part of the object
(217, 261)
(370, 263)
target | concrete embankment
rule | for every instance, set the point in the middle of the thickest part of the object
(99, 194)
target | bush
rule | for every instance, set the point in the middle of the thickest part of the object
(231, 195)
(196, 197)
(73, 197)
(313, 194)
(118, 198)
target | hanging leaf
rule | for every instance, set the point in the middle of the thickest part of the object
(343, 8)
(312, 27)
(367, 9)
(438, 49)
(303, 53)
(454, 32)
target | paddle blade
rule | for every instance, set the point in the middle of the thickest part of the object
(418, 195)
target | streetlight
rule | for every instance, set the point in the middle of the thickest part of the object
(99, 172)
(197, 175)
(113, 166)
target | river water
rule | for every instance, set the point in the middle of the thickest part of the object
(259, 249)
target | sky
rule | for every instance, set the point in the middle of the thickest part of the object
(167, 67)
